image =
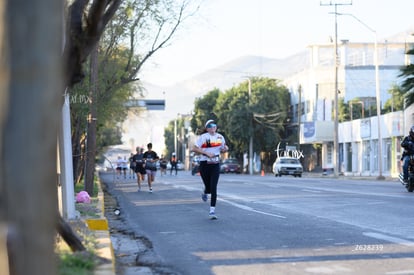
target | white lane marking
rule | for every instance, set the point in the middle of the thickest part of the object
(311, 191)
(241, 206)
(247, 208)
(401, 272)
(388, 238)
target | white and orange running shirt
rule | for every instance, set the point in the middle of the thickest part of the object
(211, 144)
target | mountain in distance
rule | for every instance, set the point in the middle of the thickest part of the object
(180, 97)
(234, 72)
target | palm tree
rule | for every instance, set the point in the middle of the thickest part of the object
(407, 72)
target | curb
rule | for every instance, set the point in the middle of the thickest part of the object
(100, 230)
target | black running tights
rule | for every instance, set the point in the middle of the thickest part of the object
(210, 175)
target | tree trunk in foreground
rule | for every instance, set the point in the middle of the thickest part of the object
(29, 135)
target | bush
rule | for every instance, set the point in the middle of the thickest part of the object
(81, 263)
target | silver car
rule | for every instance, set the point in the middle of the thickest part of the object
(287, 166)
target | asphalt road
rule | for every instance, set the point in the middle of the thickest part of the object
(269, 225)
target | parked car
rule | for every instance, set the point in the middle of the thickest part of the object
(180, 165)
(287, 166)
(195, 166)
(230, 166)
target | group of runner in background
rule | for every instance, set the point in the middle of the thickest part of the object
(144, 163)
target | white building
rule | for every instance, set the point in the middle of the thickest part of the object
(312, 97)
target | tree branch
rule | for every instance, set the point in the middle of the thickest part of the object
(82, 38)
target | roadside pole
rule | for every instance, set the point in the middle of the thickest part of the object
(66, 166)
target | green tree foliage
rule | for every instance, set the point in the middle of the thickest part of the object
(109, 112)
(344, 110)
(396, 102)
(263, 115)
(169, 134)
(204, 110)
(138, 30)
(152, 23)
(169, 138)
(233, 111)
(353, 109)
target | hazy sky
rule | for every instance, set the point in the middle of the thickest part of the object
(224, 30)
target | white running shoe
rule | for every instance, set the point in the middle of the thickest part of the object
(212, 216)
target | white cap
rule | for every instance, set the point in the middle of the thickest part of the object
(208, 122)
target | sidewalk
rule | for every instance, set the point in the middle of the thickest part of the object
(346, 176)
(109, 243)
(100, 229)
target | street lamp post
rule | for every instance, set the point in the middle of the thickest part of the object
(378, 95)
(377, 92)
(175, 135)
(336, 139)
(251, 133)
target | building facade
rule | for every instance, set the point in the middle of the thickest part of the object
(313, 103)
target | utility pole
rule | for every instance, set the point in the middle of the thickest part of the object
(90, 151)
(251, 131)
(336, 143)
